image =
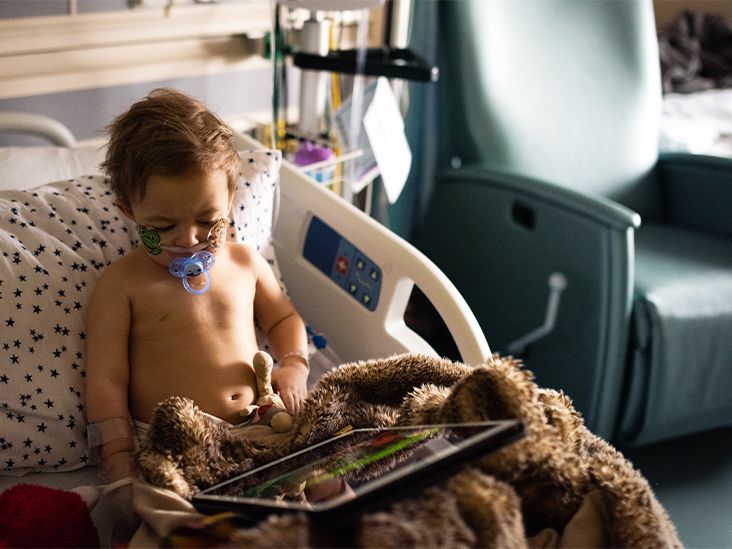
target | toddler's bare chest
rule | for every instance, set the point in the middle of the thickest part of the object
(166, 307)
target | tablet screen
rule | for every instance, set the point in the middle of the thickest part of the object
(361, 461)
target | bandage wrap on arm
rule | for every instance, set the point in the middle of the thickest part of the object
(102, 432)
(303, 358)
(121, 463)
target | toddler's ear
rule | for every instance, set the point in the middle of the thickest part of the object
(124, 207)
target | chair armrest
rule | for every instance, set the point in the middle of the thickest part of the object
(697, 191)
(596, 207)
(501, 238)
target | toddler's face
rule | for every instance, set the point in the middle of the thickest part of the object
(178, 212)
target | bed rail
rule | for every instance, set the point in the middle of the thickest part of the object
(355, 331)
(37, 124)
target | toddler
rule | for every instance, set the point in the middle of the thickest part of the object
(176, 315)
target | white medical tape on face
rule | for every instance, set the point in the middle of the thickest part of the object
(189, 251)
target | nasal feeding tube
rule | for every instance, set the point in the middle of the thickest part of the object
(199, 263)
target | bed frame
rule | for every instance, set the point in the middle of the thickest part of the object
(382, 332)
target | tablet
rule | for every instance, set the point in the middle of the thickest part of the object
(356, 470)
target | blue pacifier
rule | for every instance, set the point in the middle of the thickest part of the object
(191, 267)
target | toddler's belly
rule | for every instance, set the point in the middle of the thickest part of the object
(220, 389)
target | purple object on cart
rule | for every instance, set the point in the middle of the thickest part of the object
(309, 153)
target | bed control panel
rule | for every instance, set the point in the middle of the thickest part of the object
(343, 263)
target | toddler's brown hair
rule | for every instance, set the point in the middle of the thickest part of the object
(167, 133)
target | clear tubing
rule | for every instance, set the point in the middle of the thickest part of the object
(357, 101)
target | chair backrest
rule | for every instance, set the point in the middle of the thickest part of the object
(567, 91)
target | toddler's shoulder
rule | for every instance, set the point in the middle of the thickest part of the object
(242, 252)
(121, 270)
(248, 258)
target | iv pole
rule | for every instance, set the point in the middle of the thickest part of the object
(317, 62)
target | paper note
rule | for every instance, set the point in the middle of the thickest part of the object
(363, 169)
(385, 129)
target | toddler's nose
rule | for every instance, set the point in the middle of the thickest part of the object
(187, 237)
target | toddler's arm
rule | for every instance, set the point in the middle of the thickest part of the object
(286, 334)
(107, 380)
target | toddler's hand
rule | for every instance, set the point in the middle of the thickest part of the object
(291, 381)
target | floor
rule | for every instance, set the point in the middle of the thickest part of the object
(692, 478)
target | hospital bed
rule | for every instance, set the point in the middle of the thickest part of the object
(308, 220)
(312, 228)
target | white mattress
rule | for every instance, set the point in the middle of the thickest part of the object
(63, 481)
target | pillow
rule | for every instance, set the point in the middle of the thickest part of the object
(254, 198)
(28, 167)
(252, 211)
(54, 242)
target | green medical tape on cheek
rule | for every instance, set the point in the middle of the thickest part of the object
(150, 239)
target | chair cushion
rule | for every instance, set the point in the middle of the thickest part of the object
(681, 366)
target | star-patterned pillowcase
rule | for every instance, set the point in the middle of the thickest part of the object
(252, 210)
(54, 242)
(254, 199)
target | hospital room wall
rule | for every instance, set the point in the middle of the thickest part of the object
(86, 112)
(85, 66)
(668, 10)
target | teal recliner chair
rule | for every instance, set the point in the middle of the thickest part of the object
(550, 116)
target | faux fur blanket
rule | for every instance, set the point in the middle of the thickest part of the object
(559, 485)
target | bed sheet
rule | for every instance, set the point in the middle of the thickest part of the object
(63, 481)
(699, 123)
